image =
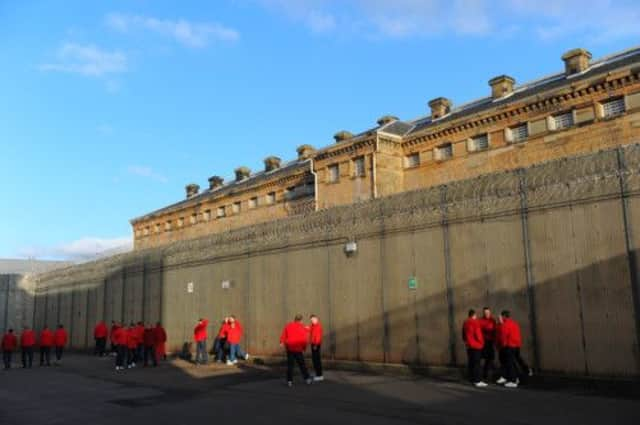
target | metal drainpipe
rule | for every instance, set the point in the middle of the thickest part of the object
(315, 186)
(373, 172)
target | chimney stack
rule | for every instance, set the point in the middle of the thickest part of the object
(440, 107)
(242, 173)
(305, 152)
(341, 136)
(272, 163)
(215, 182)
(386, 120)
(192, 190)
(576, 61)
(501, 86)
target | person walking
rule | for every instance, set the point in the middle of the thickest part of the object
(315, 334)
(140, 340)
(488, 326)
(100, 336)
(46, 342)
(294, 339)
(221, 340)
(120, 341)
(132, 346)
(234, 335)
(160, 340)
(27, 342)
(114, 326)
(200, 337)
(149, 347)
(9, 345)
(512, 339)
(59, 341)
(474, 341)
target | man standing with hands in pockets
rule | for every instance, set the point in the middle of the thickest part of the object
(315, 331)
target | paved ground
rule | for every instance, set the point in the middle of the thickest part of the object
(86, 390)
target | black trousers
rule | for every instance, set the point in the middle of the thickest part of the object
(473, 363)
(121, 352)
(503, 363)
(6, 359)
(510, 368)
(150, 352)
(101, 346)
(132, 355)
(59, 352)
(292, 359)
(27, 356)
(45, 355)
(316, 358)
(488, 355)
(524, 367)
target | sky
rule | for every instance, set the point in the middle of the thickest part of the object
(108, 109)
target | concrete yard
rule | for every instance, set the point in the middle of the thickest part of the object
(85, 390)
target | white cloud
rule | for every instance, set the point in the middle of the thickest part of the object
(88, 60)
(187, 33)
(146, 172)
(591, 21)
(83, 249)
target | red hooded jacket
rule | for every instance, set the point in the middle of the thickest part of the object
(28, 338)
(100, 331)
(511, 336)
(132, 338)
(488, 328)
(9, 342)
(200, 331)
(234, 333)
(60, 337)
(120, 336)
(111, 333)
(139, 332)
(222, 332)
(472, 334)
(46, 338)
(295, 337)
(159, 335)
(316, 334)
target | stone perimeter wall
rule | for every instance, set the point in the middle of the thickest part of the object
(555, 243)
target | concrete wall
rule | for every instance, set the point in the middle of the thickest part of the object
(16, 301)
(555, 243)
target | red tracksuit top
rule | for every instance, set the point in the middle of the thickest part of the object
(488, 329)
(100, 331)
(9, 342)
(200, 331)
(159, 335)
(295, 337)
(315, 332)
(472, 334)
(149, 338)
(111, 334)
(511, 336)
(120, 336)
(222, 332)
(60, 338)
(28, 338)
(46, 338)
(234, 333)
(132, 338)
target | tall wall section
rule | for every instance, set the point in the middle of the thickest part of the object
(555, 243)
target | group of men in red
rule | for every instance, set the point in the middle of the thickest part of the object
(482, 336)
(46, 340)
(131, 345)
(226, 343)
(294, 339)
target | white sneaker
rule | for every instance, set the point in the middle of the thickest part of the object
(246, 356)
(481, 384)
(309, 381)
(289, 384)
(530, 372)
(229, 363)
(511, 385)
(318, 378)
(235, 362)
(501, 381)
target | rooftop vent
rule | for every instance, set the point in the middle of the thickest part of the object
(305, 151)
(215, 182)
(192, 190)
(272, 163)
(576, 61)
(386, 120)
(242, 173)
(341, 136)
(440, 107)
(501, 86)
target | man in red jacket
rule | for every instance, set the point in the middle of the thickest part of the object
(234, 335)
(200, 337)
(46, 342)
(140, 338)
(221, 340)
(488, 325)
(59, 341)
(512, 341)
(294, 339)
(120, 341)
(132, 346)
(9, 345)
(150, 346)
(473, 339)
(27, 341)
(114, 326)
(100, 335)
(160, 338)
(315, 332)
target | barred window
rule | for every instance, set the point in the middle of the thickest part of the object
(167, 226)
(271, 198)
(206, 215)
(193, 219)
(443, 152)
(236, 207)
(613, 108)
(334, 173)
(519, 133)
(253, 202)
(146, 231)
(562, 121)
(221, 212)
(478, 143)
(412, 160)
(358, 165)
(157, 228)
(181, 222)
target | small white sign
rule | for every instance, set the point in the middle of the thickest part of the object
(226, 284)
(190, 287)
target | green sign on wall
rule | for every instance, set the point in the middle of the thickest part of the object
(413, 283)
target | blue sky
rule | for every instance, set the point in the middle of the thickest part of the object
(108, 109)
